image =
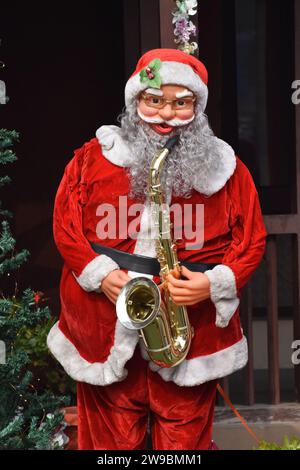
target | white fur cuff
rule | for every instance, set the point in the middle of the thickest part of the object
(95, 271)
(223, 293)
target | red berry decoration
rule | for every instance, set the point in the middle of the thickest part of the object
(149, 73)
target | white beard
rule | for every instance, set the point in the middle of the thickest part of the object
(195, 154)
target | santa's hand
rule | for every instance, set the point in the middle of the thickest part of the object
(113, 283)
(190, 291)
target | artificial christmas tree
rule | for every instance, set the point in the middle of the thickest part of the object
(29, 415)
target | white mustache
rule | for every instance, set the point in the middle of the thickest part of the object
(172, 122)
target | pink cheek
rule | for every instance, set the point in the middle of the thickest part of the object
(146, 110)
(185, 114)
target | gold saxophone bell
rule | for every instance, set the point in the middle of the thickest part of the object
(141, 299)
(163, 326)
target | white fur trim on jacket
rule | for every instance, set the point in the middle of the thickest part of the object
(117, 151)
(201, 369)
(172, 73)
(190, 372)
(223, 293)
(113, 146)
(97, 373)
(94, 272)
(216, 178)
(145, 245)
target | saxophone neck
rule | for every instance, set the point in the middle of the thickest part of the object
(158, 161)
(171, 143)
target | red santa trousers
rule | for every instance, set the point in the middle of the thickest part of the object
(115, 416)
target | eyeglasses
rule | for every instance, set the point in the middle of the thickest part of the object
(159, 102)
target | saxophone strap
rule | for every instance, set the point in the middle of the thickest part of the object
(143, 264)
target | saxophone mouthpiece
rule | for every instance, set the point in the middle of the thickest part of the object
(171, 142)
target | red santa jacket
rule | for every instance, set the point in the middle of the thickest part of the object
(88, 340)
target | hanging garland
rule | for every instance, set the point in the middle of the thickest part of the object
(184, 27)
(3, 98)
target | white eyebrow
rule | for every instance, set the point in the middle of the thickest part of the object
(154, 91)
(183, 94)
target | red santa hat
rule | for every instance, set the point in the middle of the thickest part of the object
(168, 66)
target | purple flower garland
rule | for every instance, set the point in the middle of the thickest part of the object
(184, 27)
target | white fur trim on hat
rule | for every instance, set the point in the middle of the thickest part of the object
(171, 73)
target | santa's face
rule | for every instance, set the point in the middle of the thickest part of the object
(167, 108)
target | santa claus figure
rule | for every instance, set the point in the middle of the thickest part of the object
(118, 385)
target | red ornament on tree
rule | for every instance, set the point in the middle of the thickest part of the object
(37, 297)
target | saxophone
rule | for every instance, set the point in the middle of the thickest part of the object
(163, 326)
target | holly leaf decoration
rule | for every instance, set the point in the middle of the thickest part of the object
(155, 65)
(143, 75)
(150, 74)
(155, 82)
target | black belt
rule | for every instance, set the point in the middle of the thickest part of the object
(141, 263)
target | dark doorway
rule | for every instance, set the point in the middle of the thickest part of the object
(65, 77)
